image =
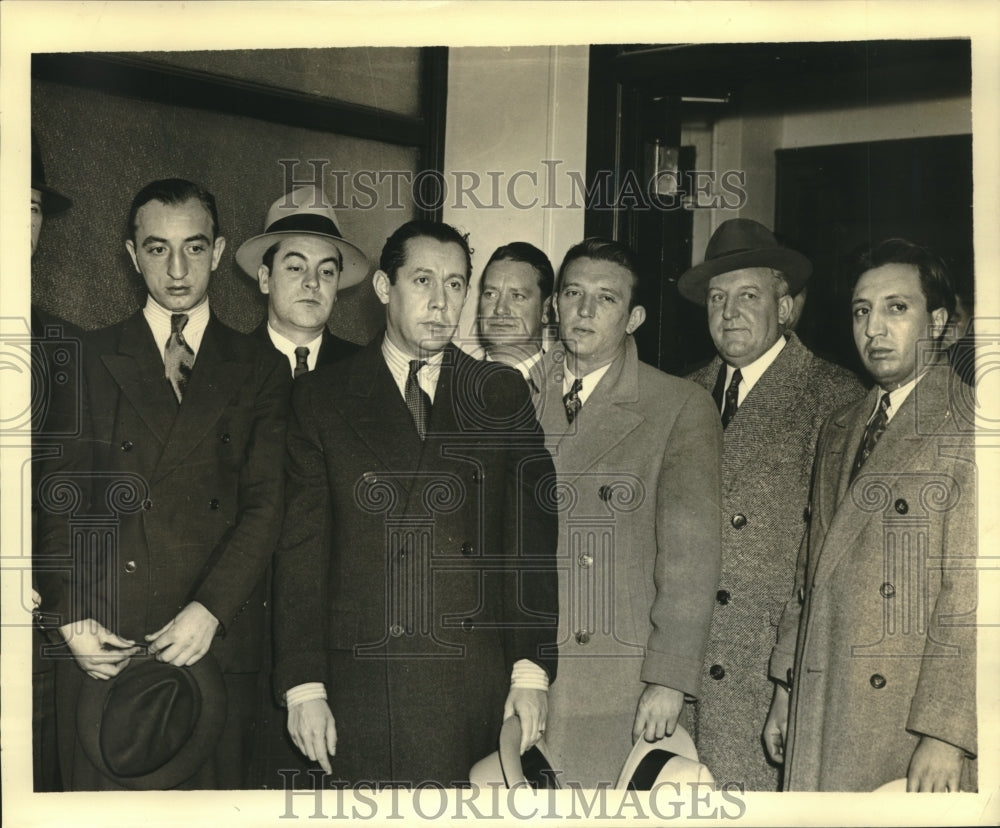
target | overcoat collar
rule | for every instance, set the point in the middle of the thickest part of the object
(216, 376)
(604, 421)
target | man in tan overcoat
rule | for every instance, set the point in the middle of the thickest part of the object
(875, 665)
(779, 393)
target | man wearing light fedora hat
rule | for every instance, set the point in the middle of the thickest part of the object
(300, 262)
(772, 394)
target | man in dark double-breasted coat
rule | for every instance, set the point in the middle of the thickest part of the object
(180, 474)
(414, 584)
(783, 394)
(878, 641)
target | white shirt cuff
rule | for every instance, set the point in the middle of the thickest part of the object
(526, 675)
(305, 692)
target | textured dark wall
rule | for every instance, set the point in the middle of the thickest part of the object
(100, 149)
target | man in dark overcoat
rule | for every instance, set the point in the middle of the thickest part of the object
(415, 584)
(878, 641)
(778, 393)
(181, 452)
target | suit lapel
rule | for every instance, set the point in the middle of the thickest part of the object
(217, 375)
(137, 368)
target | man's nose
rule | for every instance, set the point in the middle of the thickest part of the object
(875, 324)
(439, 297)
(177, 267)
(588, 306)
(310, 278)
(502, 307)
(730, 310)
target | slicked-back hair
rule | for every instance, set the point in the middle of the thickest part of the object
(935, 281)
(172, 191)
(528, 254)
(604, 250)
(394, 252)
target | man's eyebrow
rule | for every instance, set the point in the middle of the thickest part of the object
(159, 240)
(289, 253)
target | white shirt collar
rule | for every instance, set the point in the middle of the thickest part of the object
(287, 347)
(158, 319)
(750, 375)
(896, 397)
(399, 367)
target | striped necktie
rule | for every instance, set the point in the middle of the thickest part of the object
(178, 358)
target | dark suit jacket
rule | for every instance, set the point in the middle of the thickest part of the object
(881, 635)
(412, 575)
(191, 495)
(332, 348)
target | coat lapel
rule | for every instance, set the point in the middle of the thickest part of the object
(924, 413)
(137, 368)
(216, 377)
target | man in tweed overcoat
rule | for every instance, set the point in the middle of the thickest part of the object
(784, 393)
(878, 642)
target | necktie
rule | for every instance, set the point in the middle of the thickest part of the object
(875, 428)
(301, 361)
(178, 356)
(732, 398)
(572, 400)
(416, 398)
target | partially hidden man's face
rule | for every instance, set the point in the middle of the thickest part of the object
(593, 309)
(890, 318)
(301, 285)
(423, 305)
(746, 313)
(174, 250)
(511, 308)
(36, 218)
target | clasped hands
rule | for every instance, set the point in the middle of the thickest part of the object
(102, 654)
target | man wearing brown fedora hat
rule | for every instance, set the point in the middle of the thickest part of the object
(300, 262)
(772, 394)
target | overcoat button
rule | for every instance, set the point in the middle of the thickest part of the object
(477, 476)
(604, 493)
(582, 637)
(147, 504)
(213, 503)
(468, 549)
(370, 477)
(739, 521)
(877, 681)
(717, 671)
(467, 625)
(887, 590)
(723, 596)
(395, 630)
(901, 506)
(126, 445)
(586, 561)
(225, 438)
(130, 567)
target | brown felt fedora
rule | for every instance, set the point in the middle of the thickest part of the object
(153, 725)
(740, 243)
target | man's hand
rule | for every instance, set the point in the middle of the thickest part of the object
(532, 708)
(935, 767)
(776, 725)
(184, 639)
(99, 652)
(656, 713)
(313, 730)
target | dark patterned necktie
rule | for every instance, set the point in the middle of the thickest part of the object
(875, 429)
(301, 361)
(732, 398)
(178, 356)
(572, 400)
(416, 398)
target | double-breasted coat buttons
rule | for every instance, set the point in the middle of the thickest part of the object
(738, 521)
(901, 506)
(877, 681)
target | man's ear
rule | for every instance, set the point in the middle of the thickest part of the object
(546, 309)
(939, 321)
(217, 247)
(380, 281)
(635, 319)
(130, 247)
(263, 273)
(785, 305)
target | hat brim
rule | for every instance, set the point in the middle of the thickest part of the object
(508, 767)
(53, 202)
(186, 762)
(796, 268)
(355, 269)
(678, 743)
